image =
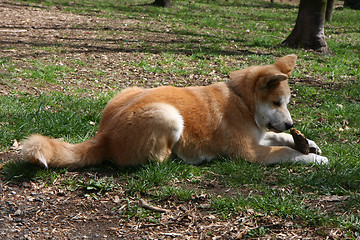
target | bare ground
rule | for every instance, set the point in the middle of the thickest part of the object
(110, 46)
(31, 210)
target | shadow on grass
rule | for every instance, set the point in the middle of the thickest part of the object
(22, 171)
(174, 41)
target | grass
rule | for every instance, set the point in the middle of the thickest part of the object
(210, 40)
(51, 114)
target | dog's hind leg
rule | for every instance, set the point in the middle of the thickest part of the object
(162, 126)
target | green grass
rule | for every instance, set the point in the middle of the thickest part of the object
(56, 114)
(21, 171)
(212, 38)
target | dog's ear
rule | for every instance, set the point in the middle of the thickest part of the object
(272, 80)
(286, 64)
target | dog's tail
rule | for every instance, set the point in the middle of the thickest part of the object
(50, 152)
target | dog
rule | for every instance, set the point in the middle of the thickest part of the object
(197, 124)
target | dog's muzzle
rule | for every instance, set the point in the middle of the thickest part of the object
(274, 129)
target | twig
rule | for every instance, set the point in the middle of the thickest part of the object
(172, 234)
(145, 205)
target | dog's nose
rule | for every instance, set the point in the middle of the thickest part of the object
(288, 125)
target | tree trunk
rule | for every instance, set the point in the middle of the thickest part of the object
(162, 3)
(309, 28)
(353, 4)
(329, 10)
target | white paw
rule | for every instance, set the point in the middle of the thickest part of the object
(311, 158)
(314, 148)
(320, 159)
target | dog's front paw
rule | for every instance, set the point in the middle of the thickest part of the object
(312, 158)
(313, 148)
(320, 159)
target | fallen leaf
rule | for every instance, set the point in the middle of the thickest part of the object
(116, 199)
(16, 146)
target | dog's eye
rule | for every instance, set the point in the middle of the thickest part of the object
(277, 103)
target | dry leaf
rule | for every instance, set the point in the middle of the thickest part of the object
(16, 146)
(116, 199)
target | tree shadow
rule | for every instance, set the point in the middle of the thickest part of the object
(168, 43)
(173, 41)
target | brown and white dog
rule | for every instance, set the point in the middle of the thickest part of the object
(196, 123)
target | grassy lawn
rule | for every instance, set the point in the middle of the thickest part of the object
(58, 87)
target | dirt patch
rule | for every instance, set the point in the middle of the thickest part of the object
(10, 156)
(93, 47)
(35, 210)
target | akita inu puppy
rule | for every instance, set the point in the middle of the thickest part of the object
(196, 123)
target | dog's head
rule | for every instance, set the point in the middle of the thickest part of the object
(266, 92)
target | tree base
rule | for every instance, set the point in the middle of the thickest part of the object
(308, 32)
(295, 45)
(323, 48)
(161, 3)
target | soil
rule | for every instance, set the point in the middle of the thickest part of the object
(84, 44)
(34, 210)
